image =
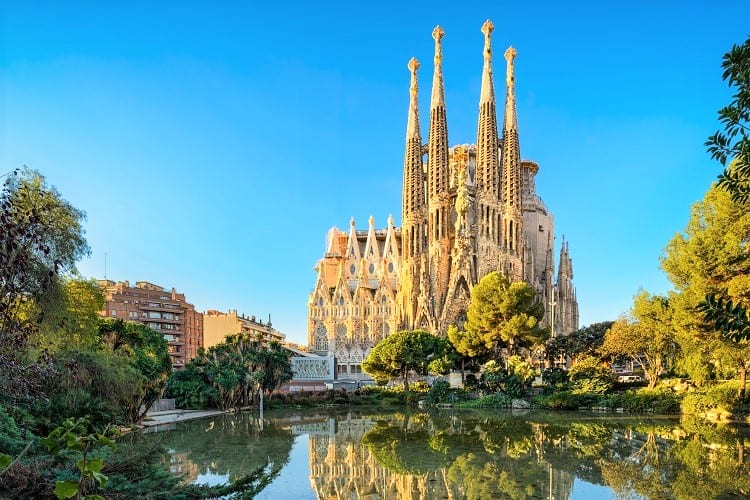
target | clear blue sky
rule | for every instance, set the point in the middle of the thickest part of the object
(213, 147)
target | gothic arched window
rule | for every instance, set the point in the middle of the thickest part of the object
(321, 337)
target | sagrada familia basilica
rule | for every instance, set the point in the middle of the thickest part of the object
(466, 211)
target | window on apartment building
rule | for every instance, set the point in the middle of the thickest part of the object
(133, 314)
(154, 304)
(356, 369)
(167, 315)
(342, 369)
(154, 315)
(113, 312)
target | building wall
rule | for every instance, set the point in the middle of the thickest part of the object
(166, 312)
(217, 325)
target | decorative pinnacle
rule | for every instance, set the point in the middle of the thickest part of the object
(487, 29)
(437, 34)
(438, 94)
(412, 123)
(510, 55)
(413, 67)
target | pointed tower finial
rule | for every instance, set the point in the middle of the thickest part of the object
(488, 90)
(511, 122)
(412, 124)
(351, 222)
(438, 88)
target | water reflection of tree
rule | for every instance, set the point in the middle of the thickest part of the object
(233, 445)
(501, 456)
(698, 460)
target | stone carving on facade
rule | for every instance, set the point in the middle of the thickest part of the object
(309, 368)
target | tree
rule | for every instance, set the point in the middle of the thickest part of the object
(711, 258)
(732, 146)
(405, 351)
(647, 332)
(71, 314)
(231, 373)
(502, 314)
(41, 238)
(583, 342)
(147, 352)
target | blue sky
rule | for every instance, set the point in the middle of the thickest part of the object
(212, 147)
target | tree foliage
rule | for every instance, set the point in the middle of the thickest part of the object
(583, 342)
(230, 374)
(147, 352)
(710, 258)
(41, 238)
(732, 145)
(501, 315)
(730, 319)
(405, 351)
(647, 332)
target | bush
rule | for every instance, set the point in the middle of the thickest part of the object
(491, 401)
(11, 436)
(100, 386)
(720, 399)
(419, 386)
(189, 391)
(562, 400)
(439, 392)
(555, 376)
(645, 400)
(590, 376)
(471, 382)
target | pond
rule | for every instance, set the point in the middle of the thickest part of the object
(461, 455)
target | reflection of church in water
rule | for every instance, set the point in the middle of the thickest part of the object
(342, 467)
(467, 210)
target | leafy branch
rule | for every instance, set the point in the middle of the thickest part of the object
(725, 316)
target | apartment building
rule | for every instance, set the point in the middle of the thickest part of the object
(165, 311)
(218, 324)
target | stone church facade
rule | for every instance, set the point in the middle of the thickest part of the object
(466, 211)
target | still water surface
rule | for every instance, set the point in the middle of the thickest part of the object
(361, 454)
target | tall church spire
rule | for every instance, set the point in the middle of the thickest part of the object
(412, 208)
(439, 204)
(437, 143)
(511, 164)
(487, 175)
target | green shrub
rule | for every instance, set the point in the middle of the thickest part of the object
(189, 391)
(439, 392)
(555, 376)
(11, 436)
(561, 400)
(471, 382)
(492, 401)
(419, 386)
(719, 398)
(101, 386)
(590, 376)
(645, 400)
